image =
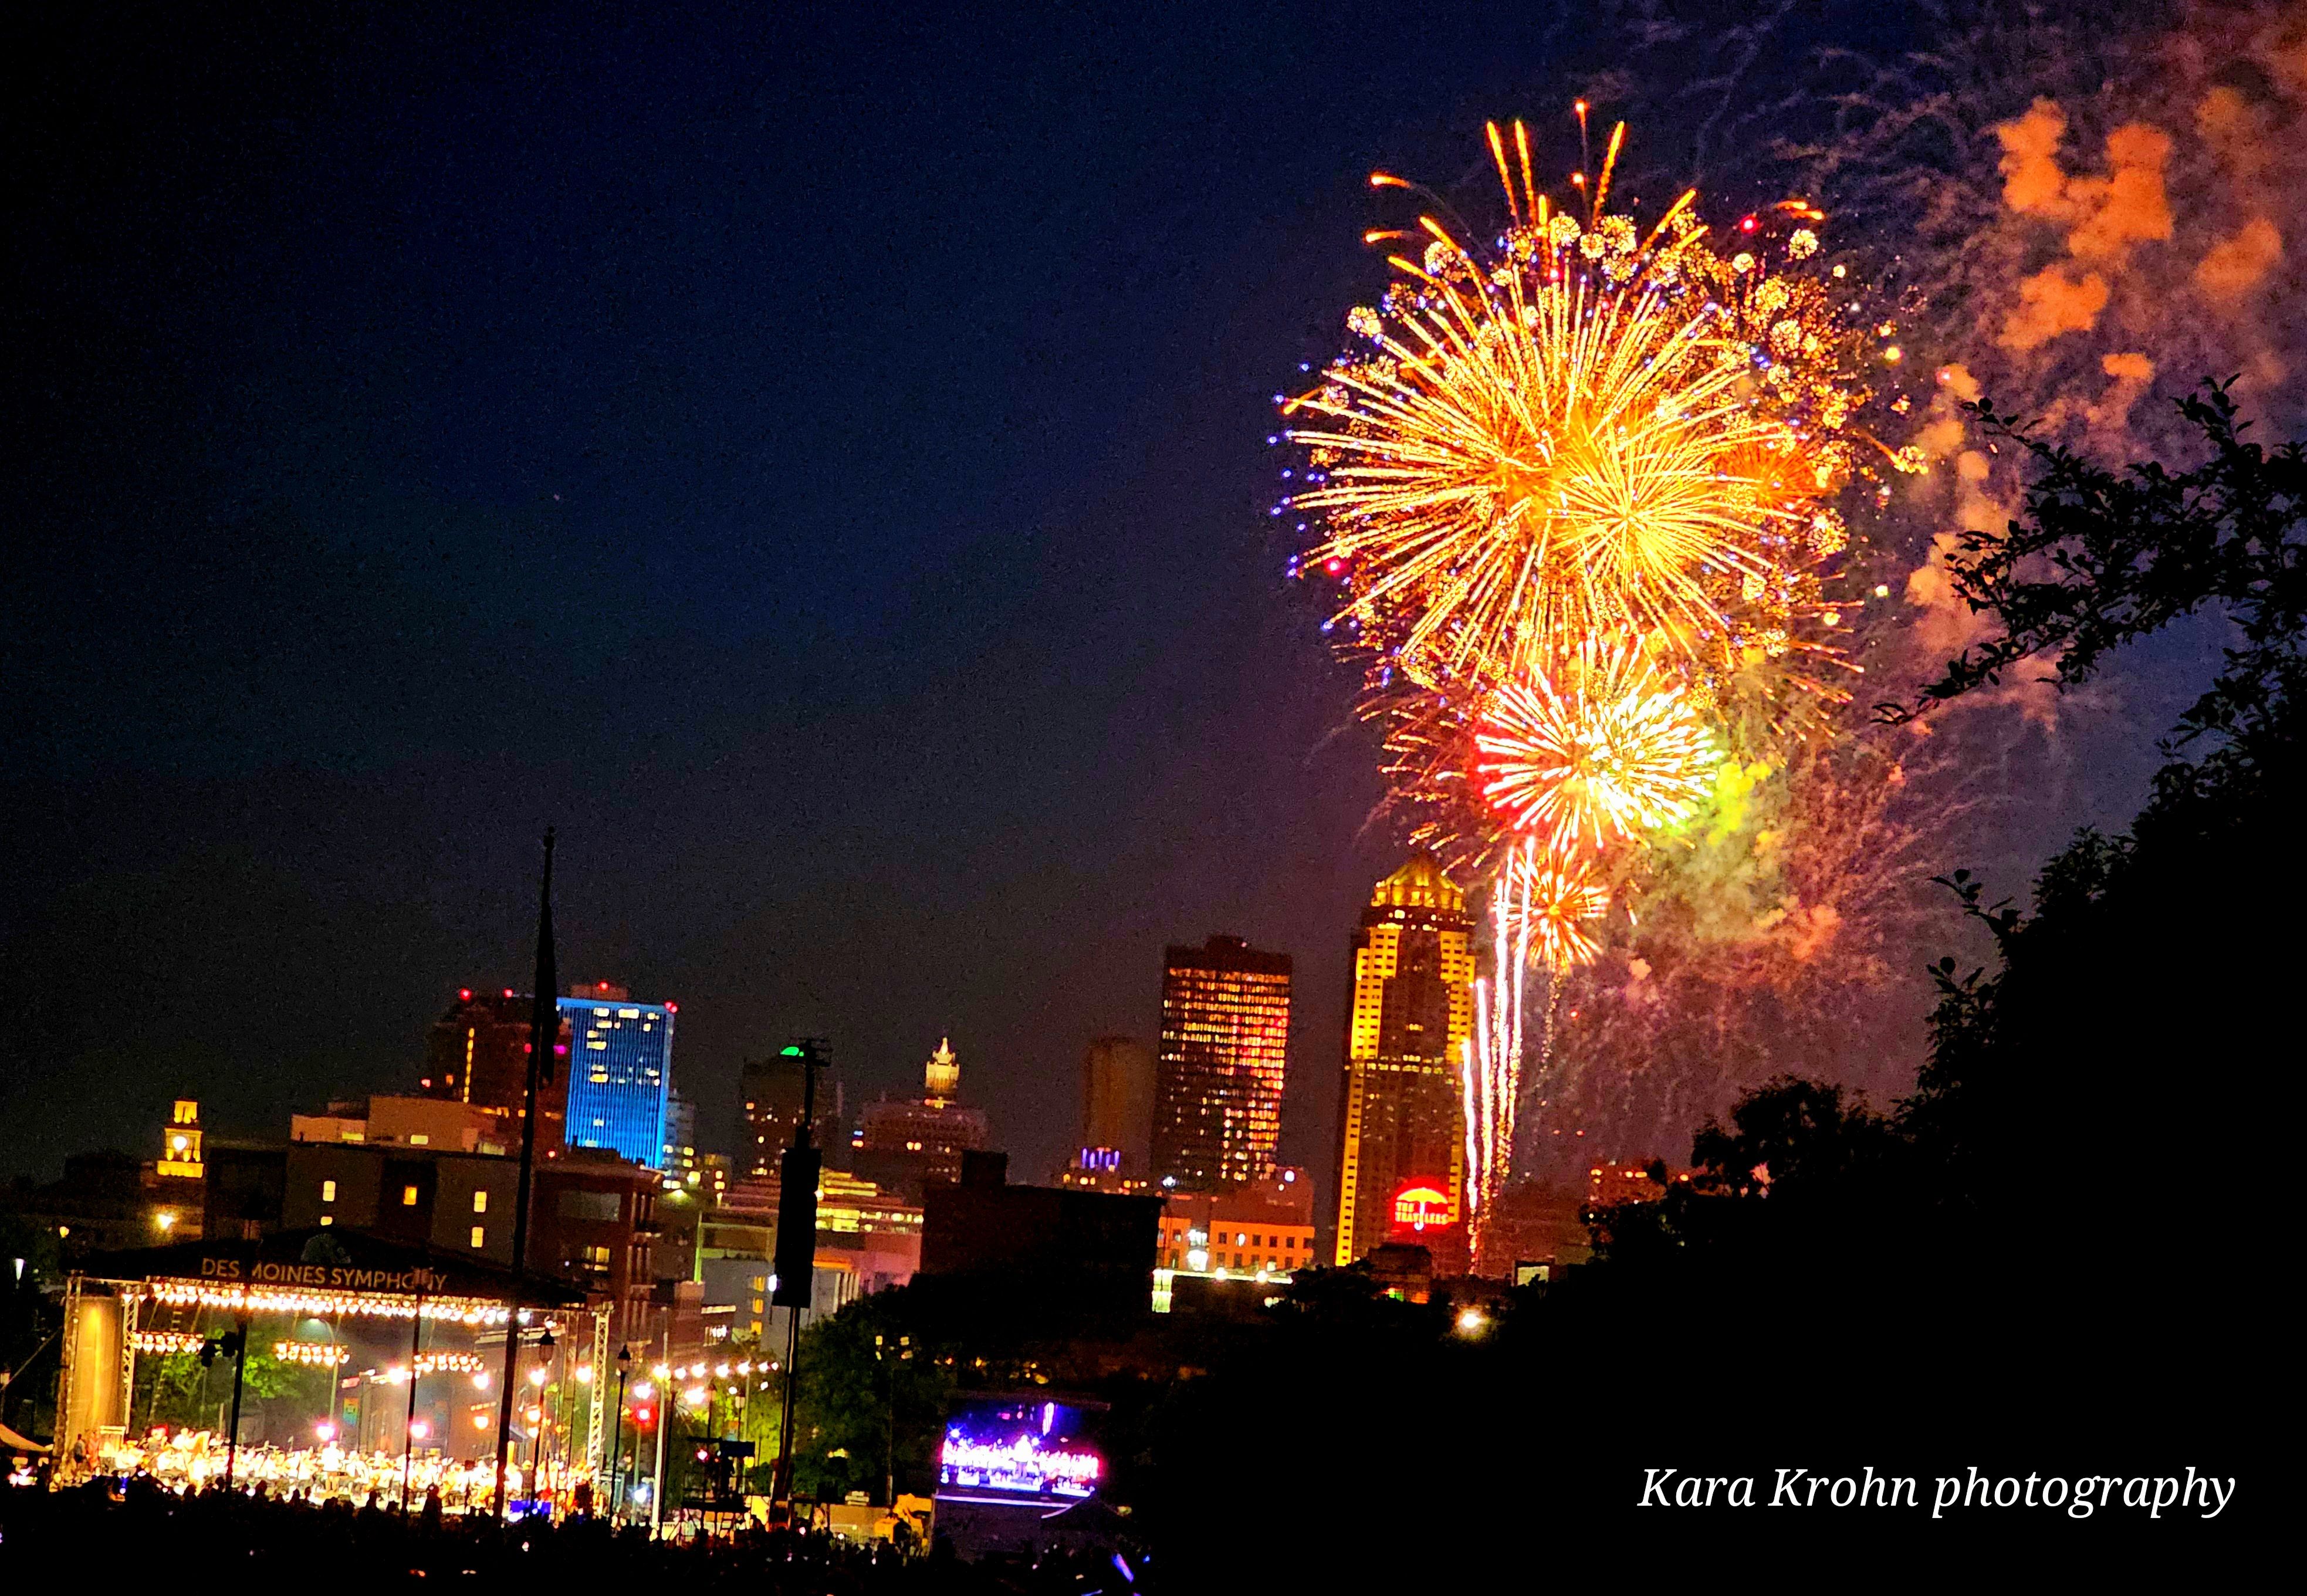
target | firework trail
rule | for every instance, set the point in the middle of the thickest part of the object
(1578, 482)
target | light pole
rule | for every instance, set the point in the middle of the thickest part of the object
(236, 1343)
(888, 1358)
(537, 1377)
(408, 1425)
(794, 1275)
(617, 1424)
(664, 1409)
(544, 1037)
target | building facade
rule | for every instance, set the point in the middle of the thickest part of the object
(1100, 1246)
(771, 1091)
(679, 1162)
(1218, 1075)
(619, 1072)
(1401, 1119)
(477, 1054)
(1118, 1100)
(408, 1121)
(592, 1216)
(867, 1242)
(1265, 1229)
(907, 1144)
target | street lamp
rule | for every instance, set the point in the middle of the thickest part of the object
(617, 1426)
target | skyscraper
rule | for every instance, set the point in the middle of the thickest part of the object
(771, 1090)
(620, 1071)
(477, 1054)
(1114, 1151)
(1118, 1100)
(1217, 1081)
(1400, 1125)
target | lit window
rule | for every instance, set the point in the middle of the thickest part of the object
(420, 1140)
(480, 1202)
(328, 1219)
(408, 1196)
(328, 1191)
(480, 1237)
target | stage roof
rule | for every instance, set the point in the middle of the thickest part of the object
(334, 1260)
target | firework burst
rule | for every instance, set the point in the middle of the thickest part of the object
(1599, 749)
(1580, 430)
(1554, 903)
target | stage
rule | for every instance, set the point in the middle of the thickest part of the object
(377, 1362)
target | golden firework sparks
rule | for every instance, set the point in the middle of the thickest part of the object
(1580, 429)
(1555, 904)
(1601, 749)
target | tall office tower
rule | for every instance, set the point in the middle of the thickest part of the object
(770, 1090)
(1117, 1099)
(477, 1053)
(1114, 1150)
(620, 1071)
(1400, 1125)
(1217, 1082)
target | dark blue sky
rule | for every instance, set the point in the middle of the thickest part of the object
(816, 460)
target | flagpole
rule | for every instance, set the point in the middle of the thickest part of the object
(544, 1033)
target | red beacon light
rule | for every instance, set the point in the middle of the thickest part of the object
(673, 1008)
(464, 994)
(1748, 224)
(508, 991)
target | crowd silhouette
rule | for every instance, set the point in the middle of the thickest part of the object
(254, 1534)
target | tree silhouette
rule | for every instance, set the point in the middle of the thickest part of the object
(2099, 558)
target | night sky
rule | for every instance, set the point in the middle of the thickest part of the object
(816, 461)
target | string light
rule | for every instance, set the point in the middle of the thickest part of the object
(311, 1352)
(241, 1299)
(166, 1342)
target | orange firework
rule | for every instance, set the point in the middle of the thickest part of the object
(1557, 904)
(1582, 430)
(1602, 748)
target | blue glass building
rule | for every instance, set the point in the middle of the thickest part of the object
(619, 1072)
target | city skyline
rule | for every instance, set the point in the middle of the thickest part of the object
(871, 751)
(1373, 701)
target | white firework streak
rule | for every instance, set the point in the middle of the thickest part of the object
(1490, 1070)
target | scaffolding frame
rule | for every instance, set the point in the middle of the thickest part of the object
(593, 1442)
